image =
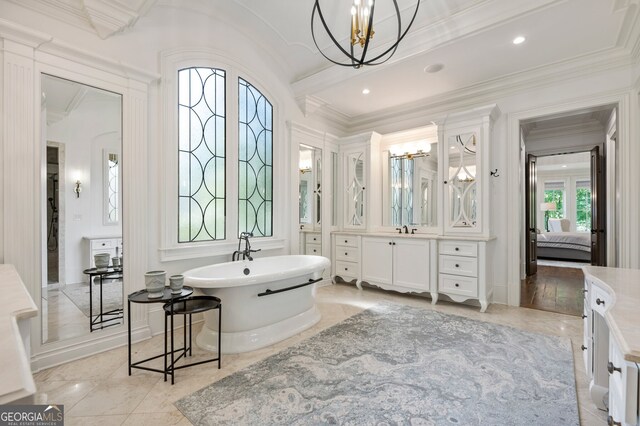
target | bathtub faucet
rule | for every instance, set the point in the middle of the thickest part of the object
(246, 253)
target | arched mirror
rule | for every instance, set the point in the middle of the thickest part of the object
(82, 277)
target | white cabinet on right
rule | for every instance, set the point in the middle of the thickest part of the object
(463, 271)
(623, 388)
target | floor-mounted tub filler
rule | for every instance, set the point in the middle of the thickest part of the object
(264, 301)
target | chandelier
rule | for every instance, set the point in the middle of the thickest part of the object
(361, 34)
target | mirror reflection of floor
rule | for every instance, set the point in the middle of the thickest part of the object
(66, 309)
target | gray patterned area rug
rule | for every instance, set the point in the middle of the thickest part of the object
(111, 296)
(399, 365)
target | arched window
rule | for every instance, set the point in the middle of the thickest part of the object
(255, 161)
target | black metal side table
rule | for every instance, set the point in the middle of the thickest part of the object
(103, 319)
(142, 296)
(188, 306)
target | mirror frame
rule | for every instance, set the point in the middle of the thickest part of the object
(27, 62)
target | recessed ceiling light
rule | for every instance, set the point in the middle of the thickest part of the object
(366, 91)
(433, 68)
(519, 40)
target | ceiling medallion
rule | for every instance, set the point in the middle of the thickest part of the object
(361, 31)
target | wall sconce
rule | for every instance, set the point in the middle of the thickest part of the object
(78, 189)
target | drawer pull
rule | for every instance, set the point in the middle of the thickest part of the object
(457, 248)
(457, 285)
(611, 368)
(346, 269)
(457, 266)
(612, 422)
(346, 254)
(104, 244)
(389, 242)
(599, 302)
(583, 347)
(584, 316)
(346, 241)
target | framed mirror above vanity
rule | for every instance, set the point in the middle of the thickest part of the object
(82, 137)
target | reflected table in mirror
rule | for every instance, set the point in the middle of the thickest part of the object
(108, 318)
(142, 296)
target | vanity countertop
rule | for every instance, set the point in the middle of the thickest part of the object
(623, 317)
(16, 381)
(416, 236)
(101, 237)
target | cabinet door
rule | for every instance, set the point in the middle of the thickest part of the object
(377, 260)
(355, 199)
(411, 263)
(462, 190)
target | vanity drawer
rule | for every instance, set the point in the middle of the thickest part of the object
(347, 270)
(600, 299)
(459, 248)
(349, 254)
(313, 249)
(463, 286)
(347, 240)
(103, 244)
(459, 265)
(313, 238)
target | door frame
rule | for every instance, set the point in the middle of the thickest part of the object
(629, 201)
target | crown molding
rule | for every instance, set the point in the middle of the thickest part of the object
(489, 91)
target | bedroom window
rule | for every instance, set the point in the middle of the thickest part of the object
(583, 205)
(554, 192)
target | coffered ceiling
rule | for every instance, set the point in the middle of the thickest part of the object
(471, 39)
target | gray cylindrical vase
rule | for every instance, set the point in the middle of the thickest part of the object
(102, 260)
(154, 283)
(176, 282)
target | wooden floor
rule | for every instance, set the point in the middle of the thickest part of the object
(554, 289)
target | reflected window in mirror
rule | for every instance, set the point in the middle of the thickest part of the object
(310, 187)
(412, 176)
(82, 127)
(111, 187)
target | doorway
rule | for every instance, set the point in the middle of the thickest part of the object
(565, 207)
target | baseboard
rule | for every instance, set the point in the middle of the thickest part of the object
(80, 350)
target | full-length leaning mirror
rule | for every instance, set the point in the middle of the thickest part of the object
(310, 199)
(411, 197)
(82, 285)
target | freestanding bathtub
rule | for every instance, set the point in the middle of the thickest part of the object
(264, 301)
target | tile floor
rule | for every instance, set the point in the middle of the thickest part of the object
(97, 390)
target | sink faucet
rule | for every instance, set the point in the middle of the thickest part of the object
(406, 230)
(246, 253)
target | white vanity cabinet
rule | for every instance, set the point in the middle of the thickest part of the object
(463, 271)
(401, 264)
(612, 341)
(102, 244)
(623, 388)
(313, 243)
(346, 257)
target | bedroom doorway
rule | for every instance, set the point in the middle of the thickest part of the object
(565, 207)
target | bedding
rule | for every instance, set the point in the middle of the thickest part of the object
(565, 245)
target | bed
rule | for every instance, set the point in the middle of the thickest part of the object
(565, 245)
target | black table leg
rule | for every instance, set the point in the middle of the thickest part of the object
(219, 334)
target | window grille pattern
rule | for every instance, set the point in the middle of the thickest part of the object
(112, 188)
(201, 154)
(255, 161)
